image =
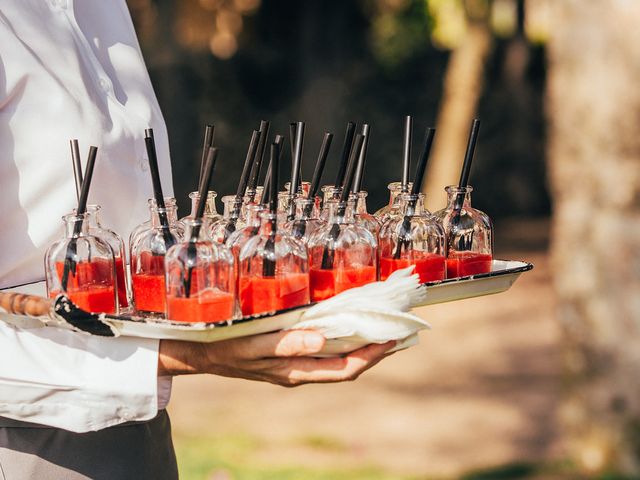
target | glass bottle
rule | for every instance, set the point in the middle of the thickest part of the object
(232, 220)
(240, 236)
(210, 211)
(274, 270)
(329, 193)
(395, 189)
(82, 266)
(362, 216)
(303, 189)
(147, 263)
(468, 232)
(171, 205)
(307, 220)
(253, 196)
(96, 229)
(200, 278)
(342, 254)
(413, 238)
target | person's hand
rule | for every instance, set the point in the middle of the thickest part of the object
(282, 358)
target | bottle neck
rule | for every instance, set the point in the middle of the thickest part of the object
(329, 192)
(76, 225)
(412, 205)
(209, 206)
(171, 214)
(395, 189)
(92, 216)
(360, 200)
(196, 229)
(306, 209)
(253, 215)
(458, 197)
(340, 212)
(232, 206)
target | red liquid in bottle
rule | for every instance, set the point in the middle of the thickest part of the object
(429, 266)
(264, 294)
(327, 283)
(88, 287)
(149, 287)
(206, 306)
(95, 298)
(461, 264)
(120, 282)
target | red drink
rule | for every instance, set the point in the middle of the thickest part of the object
(120, 282)
(429, 266)
(266, 294)
(89, 288)
(207, 306)
(148, 292)
(461, 264)
(149, 287)
(327, 283)
(93, 298)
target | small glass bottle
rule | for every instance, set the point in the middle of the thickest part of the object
(469, 234)
(303, 188)
(307, 220)
(362, 216)
(171, 205)
(240, 236)
(253, 196)
(342, 254)
(232, 219)
(200, 278)
(329, 194)
(274, 270)
(210, 211)
(395, 189)
(96, 229)
(413, 238)
(147, 263)
(82, 267)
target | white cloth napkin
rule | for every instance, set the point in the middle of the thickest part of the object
(374, 313)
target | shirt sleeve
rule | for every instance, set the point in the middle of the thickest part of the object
(74, 381)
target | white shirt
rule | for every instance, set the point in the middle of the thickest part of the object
(72, 70)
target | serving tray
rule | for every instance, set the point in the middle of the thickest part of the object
(26, 307)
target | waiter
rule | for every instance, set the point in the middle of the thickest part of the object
(74, 406)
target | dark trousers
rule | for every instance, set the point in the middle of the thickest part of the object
(136, 450)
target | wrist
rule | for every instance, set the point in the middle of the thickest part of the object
(179, 358)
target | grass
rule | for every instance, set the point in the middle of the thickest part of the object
(236, 457)
(233, 458)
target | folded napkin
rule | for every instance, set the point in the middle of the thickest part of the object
(374, 313)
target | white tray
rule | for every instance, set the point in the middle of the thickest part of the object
(504, 273)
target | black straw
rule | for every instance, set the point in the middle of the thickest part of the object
(70, 261)
(209, 132)
(297, 159)
(357, 182)
(157, 187)
(468, 158)
(346, 149)
(77, 166)
(320, 163)
(268, 261)
(406, 152)
(257, 163)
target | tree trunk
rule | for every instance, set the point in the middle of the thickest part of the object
(462, 90)
(593, 104)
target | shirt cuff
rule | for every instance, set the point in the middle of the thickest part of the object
(75, 381)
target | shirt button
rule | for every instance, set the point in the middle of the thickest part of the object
(104, 84)
(59, 3)
(144, 164)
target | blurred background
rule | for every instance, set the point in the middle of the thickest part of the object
(537, 383)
